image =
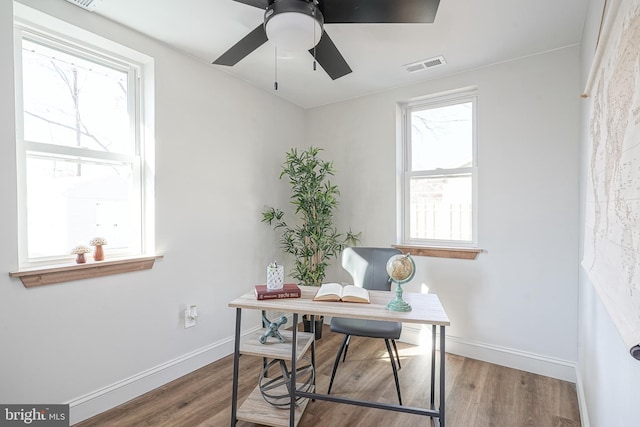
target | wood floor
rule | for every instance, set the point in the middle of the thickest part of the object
(478, 394)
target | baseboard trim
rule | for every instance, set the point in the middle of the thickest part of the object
(582, 400)
(103, 399)
(504, 356)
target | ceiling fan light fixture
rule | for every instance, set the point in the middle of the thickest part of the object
(293, 25)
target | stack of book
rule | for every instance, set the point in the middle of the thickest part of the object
(289, 290)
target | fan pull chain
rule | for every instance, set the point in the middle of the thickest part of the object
(314, 46)
(275, 82)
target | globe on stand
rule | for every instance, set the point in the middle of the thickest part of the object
(401, 269)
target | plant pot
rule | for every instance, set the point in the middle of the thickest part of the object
(306, 325)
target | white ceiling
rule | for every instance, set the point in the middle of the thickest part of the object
(468, 33)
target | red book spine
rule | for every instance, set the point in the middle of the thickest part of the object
(288, 291)
(275, 295)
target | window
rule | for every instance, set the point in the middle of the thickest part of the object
(439, 171)
(80, 153)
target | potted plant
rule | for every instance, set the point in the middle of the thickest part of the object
(313, 240)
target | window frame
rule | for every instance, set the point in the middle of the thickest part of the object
(140, 160)
(437, 101)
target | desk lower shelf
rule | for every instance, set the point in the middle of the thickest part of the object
(256, 410)
(273, 349)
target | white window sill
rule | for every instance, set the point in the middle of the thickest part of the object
(49, 275)
(440, 252)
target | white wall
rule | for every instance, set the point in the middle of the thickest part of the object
(219, 143)
(610, 377)
(515, 304)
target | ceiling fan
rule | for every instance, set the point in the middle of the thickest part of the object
(299, 25)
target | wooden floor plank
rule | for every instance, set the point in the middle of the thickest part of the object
(478, 394)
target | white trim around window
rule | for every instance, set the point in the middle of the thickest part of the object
(137, 160)
(430, 174)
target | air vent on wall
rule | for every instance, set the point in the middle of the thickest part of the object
(424, 64)
(89, 5)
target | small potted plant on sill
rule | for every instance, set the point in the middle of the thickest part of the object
(314, 240)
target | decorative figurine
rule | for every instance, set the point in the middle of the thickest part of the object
(79, 251)
(272, 329)
(98, 242)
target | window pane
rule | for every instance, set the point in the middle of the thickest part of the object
(441, 138)
(441, 208)
(74, 102)
(69, 202)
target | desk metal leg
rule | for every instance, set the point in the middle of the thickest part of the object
(264, 359)
(292, 386)
(433, 367)
(236, 360)
(442, 359)
(313, 351)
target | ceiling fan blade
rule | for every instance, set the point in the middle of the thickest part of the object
(262, 4)
(379, 11)
(244, 47)
(330, 58)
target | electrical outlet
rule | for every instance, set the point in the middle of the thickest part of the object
(190, 317)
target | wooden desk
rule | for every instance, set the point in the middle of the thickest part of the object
(427, 309)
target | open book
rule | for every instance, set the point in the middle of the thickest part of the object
(337, 292)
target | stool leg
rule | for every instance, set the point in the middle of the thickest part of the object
(395, 347)
(395, 371)
(335, 364)
(346, 348)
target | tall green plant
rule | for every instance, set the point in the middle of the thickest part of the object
(314, 240)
